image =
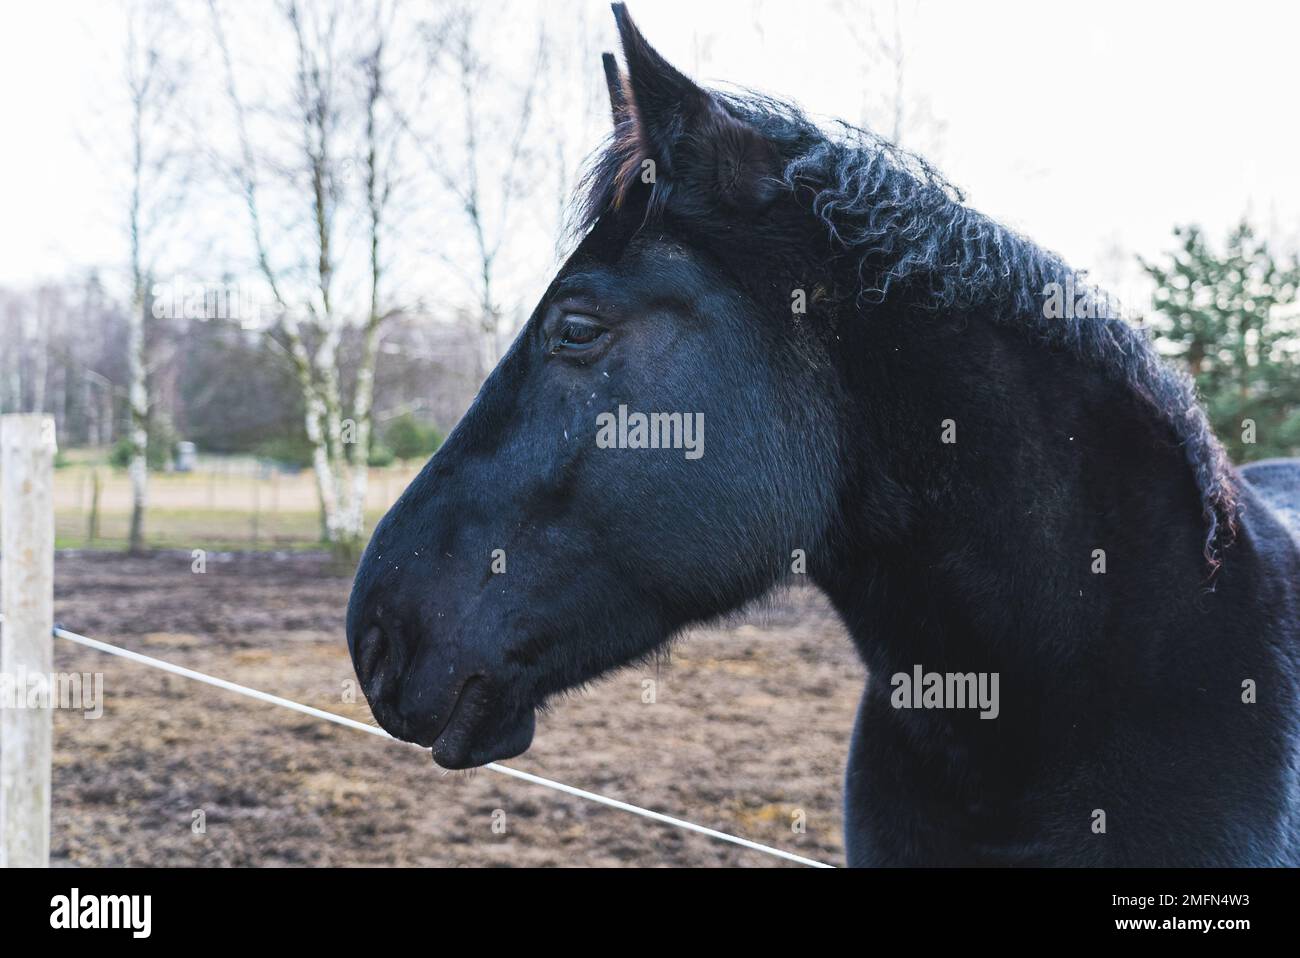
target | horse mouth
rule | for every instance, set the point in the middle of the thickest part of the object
(475, 734)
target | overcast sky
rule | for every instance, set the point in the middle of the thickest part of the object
(1092, 127)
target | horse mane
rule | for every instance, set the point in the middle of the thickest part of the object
(912, 238)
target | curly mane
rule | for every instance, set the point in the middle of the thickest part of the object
(912, 239)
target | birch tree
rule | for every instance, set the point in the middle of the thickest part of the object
(379, 159)
(155, 189)
(326, 99)
(485, 171)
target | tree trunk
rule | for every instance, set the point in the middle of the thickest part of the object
(354, 524)
(139, 413)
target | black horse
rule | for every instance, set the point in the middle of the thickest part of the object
(984, 488)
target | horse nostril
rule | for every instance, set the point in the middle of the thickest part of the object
(372, 656)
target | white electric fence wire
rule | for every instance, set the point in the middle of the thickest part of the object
(374, 730)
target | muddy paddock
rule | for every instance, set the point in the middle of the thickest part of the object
(747, 732)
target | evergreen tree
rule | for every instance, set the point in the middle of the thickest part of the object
(1232, 318)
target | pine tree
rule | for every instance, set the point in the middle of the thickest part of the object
(1232, 318)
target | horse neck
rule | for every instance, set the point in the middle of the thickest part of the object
(983, 552)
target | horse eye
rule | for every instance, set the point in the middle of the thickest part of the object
(576, 332)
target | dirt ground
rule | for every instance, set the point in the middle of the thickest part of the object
(748, 732)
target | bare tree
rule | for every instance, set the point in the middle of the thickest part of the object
(153, 193)
(889, 106)
(494, 125)
(574, 111)
(12, 336)
(43, 311)
(312, 320)
(380, 150)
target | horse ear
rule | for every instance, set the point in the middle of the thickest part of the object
(745, 164)
(685, 129)
(663, 98)
(615, 81)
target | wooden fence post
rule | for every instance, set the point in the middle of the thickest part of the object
(92, 524)
(26, 639)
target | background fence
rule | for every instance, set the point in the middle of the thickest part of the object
(225, 502)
